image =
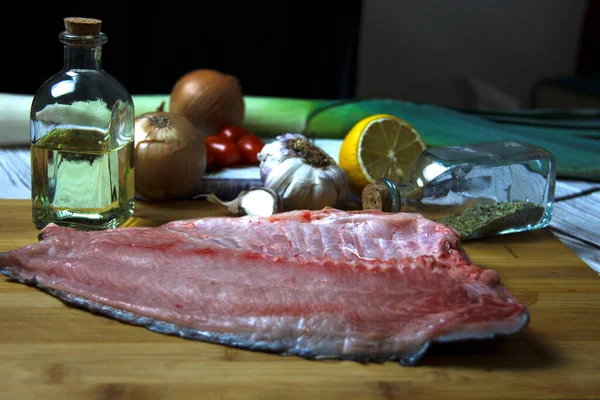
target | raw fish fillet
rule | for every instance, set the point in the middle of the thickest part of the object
(357, 285)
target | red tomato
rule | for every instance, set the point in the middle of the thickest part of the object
(233, 132)
(249, 146)
(210, 159)
(224, 151)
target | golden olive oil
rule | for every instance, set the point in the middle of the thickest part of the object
(81, 179)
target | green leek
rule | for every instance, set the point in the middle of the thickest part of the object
(266, 116)
(575, 153)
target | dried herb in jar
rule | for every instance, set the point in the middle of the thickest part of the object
(490, 218)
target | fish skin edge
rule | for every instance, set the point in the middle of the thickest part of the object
(227, 339)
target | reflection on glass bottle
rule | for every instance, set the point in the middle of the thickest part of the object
(82, 122)
(482, 189)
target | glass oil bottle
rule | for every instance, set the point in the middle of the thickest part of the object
(482, 189)
(82, 124)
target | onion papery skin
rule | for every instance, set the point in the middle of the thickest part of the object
(170, 156)
(209, 99)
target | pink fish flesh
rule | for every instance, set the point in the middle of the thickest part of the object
(358, 285)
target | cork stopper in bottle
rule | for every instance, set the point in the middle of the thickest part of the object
(376, 196)
(82, 26)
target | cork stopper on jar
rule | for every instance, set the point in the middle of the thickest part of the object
(376, 196)
(82, 26)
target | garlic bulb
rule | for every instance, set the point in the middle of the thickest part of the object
(304, 176)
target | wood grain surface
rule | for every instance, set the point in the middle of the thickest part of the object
(51, 351)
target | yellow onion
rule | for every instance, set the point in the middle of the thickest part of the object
(210, 99)
(170, 156)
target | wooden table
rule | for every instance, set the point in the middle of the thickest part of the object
(51, 351)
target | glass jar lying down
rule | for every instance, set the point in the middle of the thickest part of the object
(481, 189)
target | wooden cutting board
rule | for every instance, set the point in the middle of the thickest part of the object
(51, 351)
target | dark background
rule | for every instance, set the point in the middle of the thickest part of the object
(311, 49)
(303, 49)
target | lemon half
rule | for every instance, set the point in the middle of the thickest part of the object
(378, 146)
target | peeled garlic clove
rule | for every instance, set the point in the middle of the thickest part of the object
(254, 201)
(259, 201)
